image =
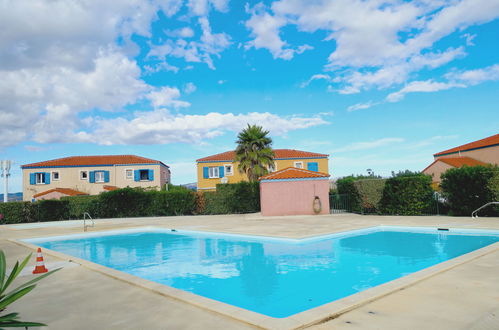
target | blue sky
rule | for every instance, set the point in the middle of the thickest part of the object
(375, 84)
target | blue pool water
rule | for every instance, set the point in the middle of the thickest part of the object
(275, 277)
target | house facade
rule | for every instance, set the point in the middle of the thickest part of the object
(221, 168)
(91, 175)
(481, 152)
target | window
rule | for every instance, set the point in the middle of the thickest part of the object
(99, 176)
(55, 176)
(228, 170)
(299, 164)
(129, 174)
(40, 178)
(83, 175)
(213, 172)
(144, 175)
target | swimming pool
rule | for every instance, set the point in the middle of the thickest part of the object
(272, 276)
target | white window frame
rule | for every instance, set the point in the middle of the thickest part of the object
(99, 176)
(58, 175)
(39, 178)
(227, 173)
(82, 178)
(213, 172)
(300, 163)
(126, 174)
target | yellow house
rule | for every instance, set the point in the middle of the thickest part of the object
(221, 168)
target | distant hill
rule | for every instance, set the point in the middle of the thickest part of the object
(192, 186)
(13, 197)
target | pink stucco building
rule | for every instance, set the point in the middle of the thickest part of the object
(294, 191)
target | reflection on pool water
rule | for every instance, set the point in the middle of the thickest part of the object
(275, 277)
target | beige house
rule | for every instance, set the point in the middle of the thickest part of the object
(481, 152)
(91, 175)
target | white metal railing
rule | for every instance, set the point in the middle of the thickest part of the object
(86, 216)
(474, 214)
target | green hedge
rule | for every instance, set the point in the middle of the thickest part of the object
(468, 188)
(408, 194)
(18, 212)
(362, 192)
(80, 204)
(242, 197)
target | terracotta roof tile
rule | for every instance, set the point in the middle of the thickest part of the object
(293, 173)
(487, 142)
(279, 154)
(65, 191)
(110, 188)
(93, 161)
(458, 162)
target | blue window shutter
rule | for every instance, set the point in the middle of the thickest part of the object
(92, 176)
(136, 175)
(32, 178)
(151, 175)
(46, 178)
(206, 175)
(221, 171)
(313, 166)
(106, 176)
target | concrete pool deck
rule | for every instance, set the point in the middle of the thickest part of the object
(465, 296)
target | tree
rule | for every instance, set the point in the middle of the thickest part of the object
(254, 152)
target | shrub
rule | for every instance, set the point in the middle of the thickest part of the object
(17, 212)
(363, 192)
(174, 202)
(467, 188)
(52, 210)
(242, 197)
(407, 193)
(370, 192)
(126, 202)
(80, 204)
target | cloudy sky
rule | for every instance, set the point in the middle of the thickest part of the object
(375, 84)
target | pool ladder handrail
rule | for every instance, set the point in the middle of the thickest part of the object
(474, 214)
(85, 226)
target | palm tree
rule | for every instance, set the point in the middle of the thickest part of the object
(254, 152)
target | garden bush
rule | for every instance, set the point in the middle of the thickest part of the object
(242, 197)
(52, 210)
(17, 212)
(407, 193)
(363, 192)
(173, 202)
(467, 188)
(80, 204)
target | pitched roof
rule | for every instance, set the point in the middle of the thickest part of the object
(110, 188)
(278, 154)
(65, 191)
(458, 162)
(94, 161)
(294, 173)
(487, 142)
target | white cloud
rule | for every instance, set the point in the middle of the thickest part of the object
(421, 87)
(477, 76)
(166, 97)
(185, 32)
(407, 32)
(189, 88)
(264, 28)
(202, 7)
(209, 44)
(469, 39)
(369, 145)
(319, 76)
(361, 106)
(221, 82)
(161, 126)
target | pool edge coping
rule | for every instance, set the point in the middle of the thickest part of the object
(314, 316)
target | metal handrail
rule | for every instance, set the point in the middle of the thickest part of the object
(85, 215)
(474, 214)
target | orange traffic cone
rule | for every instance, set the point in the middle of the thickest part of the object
(40, 266)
